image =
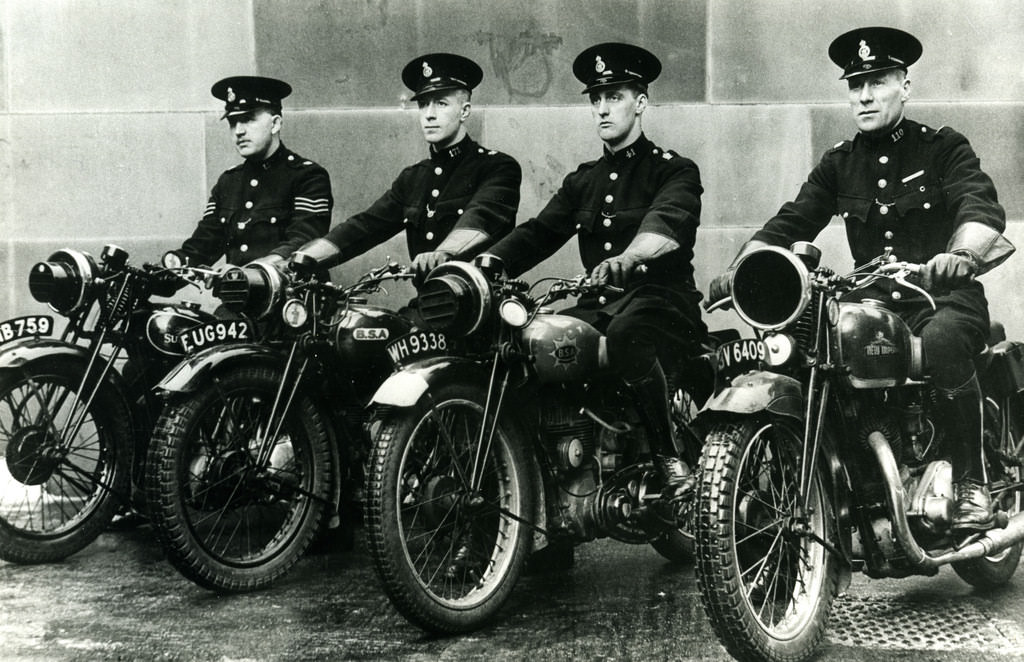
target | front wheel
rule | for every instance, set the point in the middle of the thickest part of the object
(235, 494)
(766, 581)
(446, 515)
(63, 461)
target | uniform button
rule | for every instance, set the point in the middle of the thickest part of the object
(460, 212)
(613, 176)
(609, 197)
(273, 219)
(607, 222)
(430, 235)
(607, 245)
(291, 157)
(927, 205)
(883, 159)
(248, 204)
(846, 214)
(435, 193)
(884, 210)
(882, 183)
(888, 234)
(243, 247)
(921, 189)
(438, 170)
(405, 221)
(578, 226)
(254, 182)
(223, 219)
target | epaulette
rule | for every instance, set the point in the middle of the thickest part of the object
(842, 146)
(296, 161)
(484, 150)
(929, 134)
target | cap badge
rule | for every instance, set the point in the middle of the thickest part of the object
(865, 51)
(427, 71)
(231, 94)
(599, 65)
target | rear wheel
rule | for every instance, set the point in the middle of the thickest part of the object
(766, 581)
(235, 497)
(446, 517)
(64, 465)
(1003, 433)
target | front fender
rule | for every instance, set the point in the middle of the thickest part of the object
(194, 371)
(760, 391)
(405, 387)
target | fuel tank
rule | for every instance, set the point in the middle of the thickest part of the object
(875, 346)
(361, 340)
(166, 323)
(564, 348)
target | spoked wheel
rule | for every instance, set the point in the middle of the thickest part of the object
(64, 465)
(234, 498)
(446, 515)
(1001, 432)
(766, 581)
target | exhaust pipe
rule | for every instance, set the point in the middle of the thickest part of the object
(992, 542)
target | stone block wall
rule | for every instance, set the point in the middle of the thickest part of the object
(108, 132)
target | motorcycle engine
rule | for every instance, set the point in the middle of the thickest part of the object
(931, 502)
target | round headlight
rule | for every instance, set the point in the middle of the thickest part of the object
(514, 313)
(770, 288)
(64, 281)
(456, 298)
(254, 289)
(294, 313)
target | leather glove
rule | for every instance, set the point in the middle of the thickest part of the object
(616, 271)
(721, 288)
(947, 271)
(425, 262)
(166, 283)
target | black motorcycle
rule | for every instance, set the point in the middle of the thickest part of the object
(259, 441)
(76, 410)
(503, 431)
(827, 453)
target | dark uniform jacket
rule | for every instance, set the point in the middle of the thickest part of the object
(607, 202)
(464, 186)
(258, 208)
(909, 189)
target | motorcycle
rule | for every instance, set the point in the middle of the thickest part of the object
(76, 411)
(503, 431)
(826, 453)
(258, 441)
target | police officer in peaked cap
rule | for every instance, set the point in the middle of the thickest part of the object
(275, 200)
(635, 212)
(452, 204)
(920, 191)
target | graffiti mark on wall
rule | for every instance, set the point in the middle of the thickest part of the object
(522, 62)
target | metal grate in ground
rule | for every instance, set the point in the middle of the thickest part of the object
(894, 623)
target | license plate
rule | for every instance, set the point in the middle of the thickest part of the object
(739, 356)
(417, 345)
(214, 333)
(30, 325)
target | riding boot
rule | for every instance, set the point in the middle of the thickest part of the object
(964, 424)
(651, 394)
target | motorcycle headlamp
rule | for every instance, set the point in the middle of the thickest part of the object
(770, 288)
(514, 313)
(779, 349)
(254, 289)
(294, 313)
(64, 281)
(456, 298)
